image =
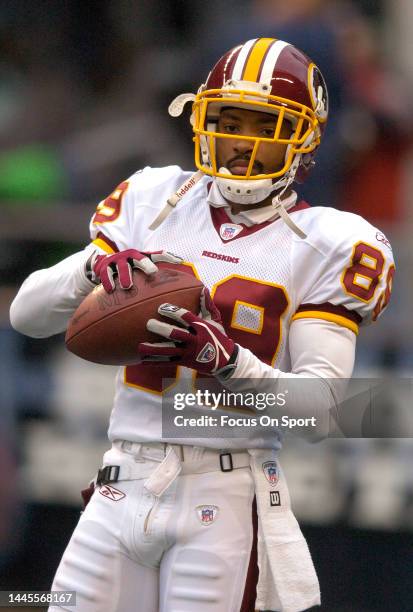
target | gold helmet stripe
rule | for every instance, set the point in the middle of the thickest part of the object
(254, 61)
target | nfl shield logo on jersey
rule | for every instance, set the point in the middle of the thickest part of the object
(207, 514)
(271, 472)
(229, 230)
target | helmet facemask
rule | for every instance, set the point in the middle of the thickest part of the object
(248, 188)
(304, 136)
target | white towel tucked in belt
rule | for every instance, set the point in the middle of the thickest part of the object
(287, 578)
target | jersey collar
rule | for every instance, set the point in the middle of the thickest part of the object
(253, 216)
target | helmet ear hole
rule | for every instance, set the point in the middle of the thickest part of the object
(307, 162)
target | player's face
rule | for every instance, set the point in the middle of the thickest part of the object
(235, 154)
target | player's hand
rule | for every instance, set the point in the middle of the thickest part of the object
(197, 342)
(106, 267)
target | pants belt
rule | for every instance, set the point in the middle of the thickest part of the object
(172, 459)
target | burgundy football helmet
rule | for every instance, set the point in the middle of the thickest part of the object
(271, 76)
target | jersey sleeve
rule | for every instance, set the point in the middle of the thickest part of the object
(111, 224)
(122, 219)
(351, 271)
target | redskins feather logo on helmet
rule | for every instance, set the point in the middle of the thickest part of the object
(271, 76)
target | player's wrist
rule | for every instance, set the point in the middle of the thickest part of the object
(84, 277)
(89, 270)
(228, 370)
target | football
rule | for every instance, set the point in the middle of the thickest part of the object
(107, 327)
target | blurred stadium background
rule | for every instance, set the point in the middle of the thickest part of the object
(84, 89)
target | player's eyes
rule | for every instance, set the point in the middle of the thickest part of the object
(231, 128)
(268, 132)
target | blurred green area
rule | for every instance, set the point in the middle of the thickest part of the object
(32, 174)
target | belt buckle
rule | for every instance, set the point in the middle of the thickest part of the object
(178, 448)
(229, 466)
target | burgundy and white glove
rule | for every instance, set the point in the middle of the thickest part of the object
(197, 342)
(105, 267)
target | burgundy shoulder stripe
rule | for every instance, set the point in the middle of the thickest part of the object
(108, 241)
(339, 310)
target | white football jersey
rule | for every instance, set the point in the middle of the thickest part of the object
(261, 277)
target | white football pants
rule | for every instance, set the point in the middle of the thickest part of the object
(186, 551)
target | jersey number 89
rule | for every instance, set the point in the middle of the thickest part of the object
(251, 313)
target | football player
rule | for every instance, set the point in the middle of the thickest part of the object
(172, 521)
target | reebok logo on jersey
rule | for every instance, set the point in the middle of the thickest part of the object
(111, 493)
(220, 257)
(380, 237)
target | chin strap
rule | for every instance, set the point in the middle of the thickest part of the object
(278, 205)
(173, 200)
